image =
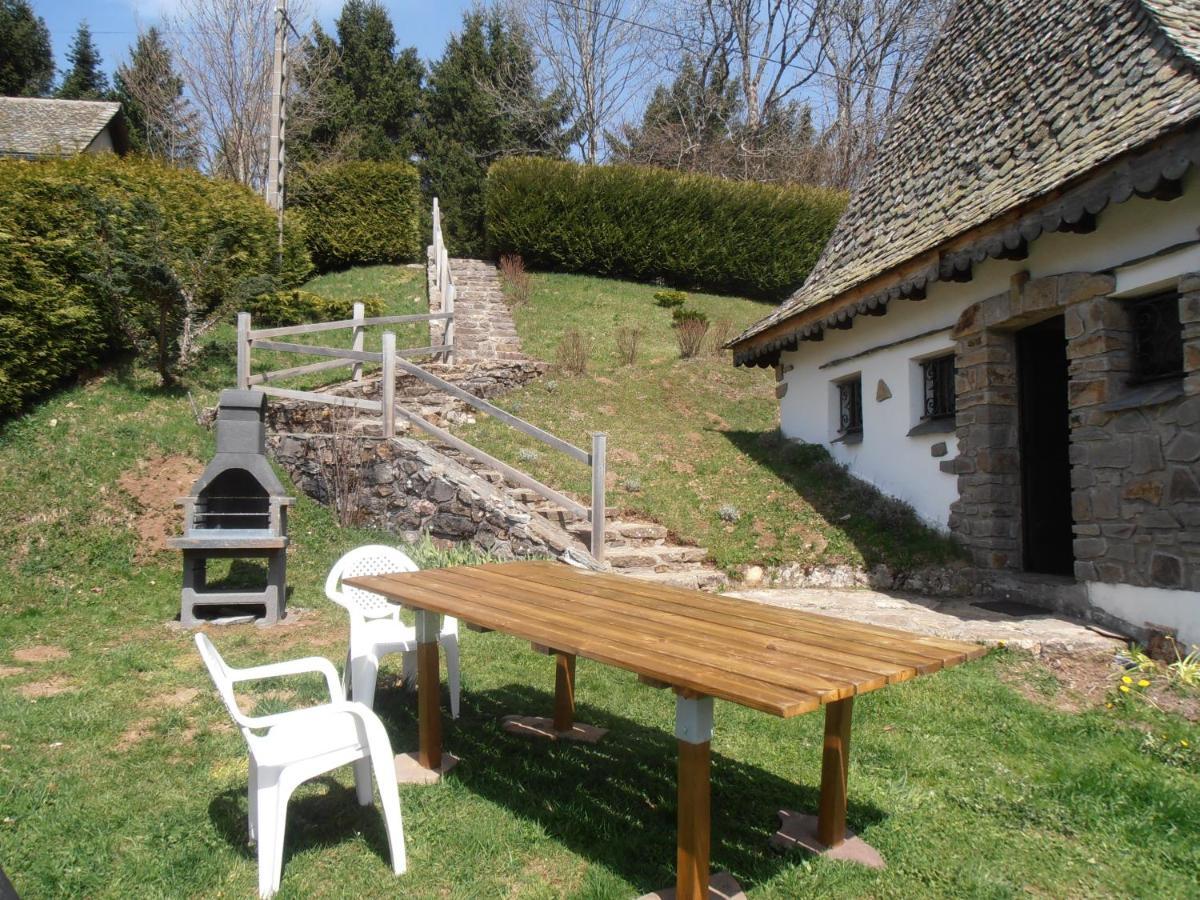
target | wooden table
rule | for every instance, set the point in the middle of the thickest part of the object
(778, 661)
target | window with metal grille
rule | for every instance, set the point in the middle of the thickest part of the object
(1157, 338)
(937, 375)
(850, 406)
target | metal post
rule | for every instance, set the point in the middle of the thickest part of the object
(387, 393)
(243, 351)
(359, 333)
(448, 329)
(599, 451)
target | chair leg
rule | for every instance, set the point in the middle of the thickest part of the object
(381, 761)
(362, 781)
(347, 676)
(252, 800)
(365, 670)
(409, 670)
(269, 832)
(450, 645)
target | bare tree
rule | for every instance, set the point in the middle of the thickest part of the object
(598, 53)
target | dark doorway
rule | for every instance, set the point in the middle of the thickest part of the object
(1045, 438)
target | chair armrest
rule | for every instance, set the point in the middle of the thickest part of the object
(295, 667)
(358, 710)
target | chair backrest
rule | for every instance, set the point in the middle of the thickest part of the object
(372, 559)
(219, 672)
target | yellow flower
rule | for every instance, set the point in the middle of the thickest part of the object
(1126, 679)
(1108, 706)
(1124, 689)
(1184, 744)
(1143, 683)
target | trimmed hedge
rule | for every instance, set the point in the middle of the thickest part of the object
(97, 252)
(360, 213)
(693, 231)
(297, 307)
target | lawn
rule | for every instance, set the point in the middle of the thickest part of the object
(691, 437)
(120, 775)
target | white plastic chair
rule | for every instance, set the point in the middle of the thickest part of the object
(375, 626)
(302, 744)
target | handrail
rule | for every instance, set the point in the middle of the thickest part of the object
(314, 327)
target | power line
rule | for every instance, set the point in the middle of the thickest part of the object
(683, 39)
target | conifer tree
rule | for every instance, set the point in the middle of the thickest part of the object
(26, 63)
(86, 79)
(161, 123)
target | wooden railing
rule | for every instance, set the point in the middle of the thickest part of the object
(443, 280)
(391, 360)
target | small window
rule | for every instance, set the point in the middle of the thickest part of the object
(937, 376)
(1157, 338)
(850, 406)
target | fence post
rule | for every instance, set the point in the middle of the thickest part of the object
(448, 330)
(599, 466)
(360, 313)
(243, 351)
(387, 391)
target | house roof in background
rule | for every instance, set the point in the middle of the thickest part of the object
(1017, 99)
(32, 127)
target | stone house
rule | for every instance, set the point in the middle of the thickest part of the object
(1004, 329)
(31, 127)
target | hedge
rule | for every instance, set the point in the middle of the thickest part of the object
(693, 231)
(360, 213)
(297, 307)
(98, 252)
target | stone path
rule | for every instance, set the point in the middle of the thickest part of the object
(483, 325)
(958, 619)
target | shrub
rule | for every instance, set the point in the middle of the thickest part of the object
(571, 357)
(632, 484)
(719, 335)
(694, 230)
(516, 281)
(103, 255)
(360, 213)
(689, 335)
(729, 513)
(629, 339)
(670, 299)
(296, 307)
(688, 315)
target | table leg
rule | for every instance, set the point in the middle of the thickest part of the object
(429, 763)
(835, 763)
(564, 692)
(693, 729)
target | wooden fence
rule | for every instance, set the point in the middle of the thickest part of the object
(443, 279)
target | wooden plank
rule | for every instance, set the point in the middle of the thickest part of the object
(317, 327)
(716, 642)
(328, 399)
(835, 767)
(936, 650)
(429, 715)
(514, 475)
(492, 410)
(749, 692)
(894, 660)
(316, 350)
(564, 691)
(279, 374)
(694, 834)
(789, 673)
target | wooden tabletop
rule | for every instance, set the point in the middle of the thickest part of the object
(779, 661)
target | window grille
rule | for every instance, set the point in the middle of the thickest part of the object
(1157, 338)
(850, 406)
(938, 377)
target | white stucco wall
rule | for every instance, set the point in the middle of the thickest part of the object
(101, 143)
(902, 465)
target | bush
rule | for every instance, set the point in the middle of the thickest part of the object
(296, 307)
(629, 339)
(690, 230)
(516, 281)
(689, 335)
(102, 255)
(670, 299)
(679, 316)
(360, 213)
(719, 335)
(571, 357)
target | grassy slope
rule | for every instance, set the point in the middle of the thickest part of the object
(967, 787)
(695, 435)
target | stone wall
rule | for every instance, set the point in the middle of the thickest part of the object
(407, 487)
(1134, 449)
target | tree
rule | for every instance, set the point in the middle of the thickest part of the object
(598, 51)
(161, 122)
(483, 103)
(369, 96)
(86, 79)
(26, 63)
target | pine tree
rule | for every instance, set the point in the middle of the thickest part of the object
(483, 103)
(26, 63)
(86, 79)
(161, 123)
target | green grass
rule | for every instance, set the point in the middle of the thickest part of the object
(695, 435)
(130, 782)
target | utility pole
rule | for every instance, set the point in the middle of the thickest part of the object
(276, 157)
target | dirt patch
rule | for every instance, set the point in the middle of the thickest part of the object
(155, 484)
(135, 734)
(36, 690)
(176, 699)
(10, 671)
(40, 654)
(683, 468)
(620, 455)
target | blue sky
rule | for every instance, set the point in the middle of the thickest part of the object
(419, 23)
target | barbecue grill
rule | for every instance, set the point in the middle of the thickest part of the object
(237, 510)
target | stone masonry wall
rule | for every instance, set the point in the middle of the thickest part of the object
(1134, 449)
